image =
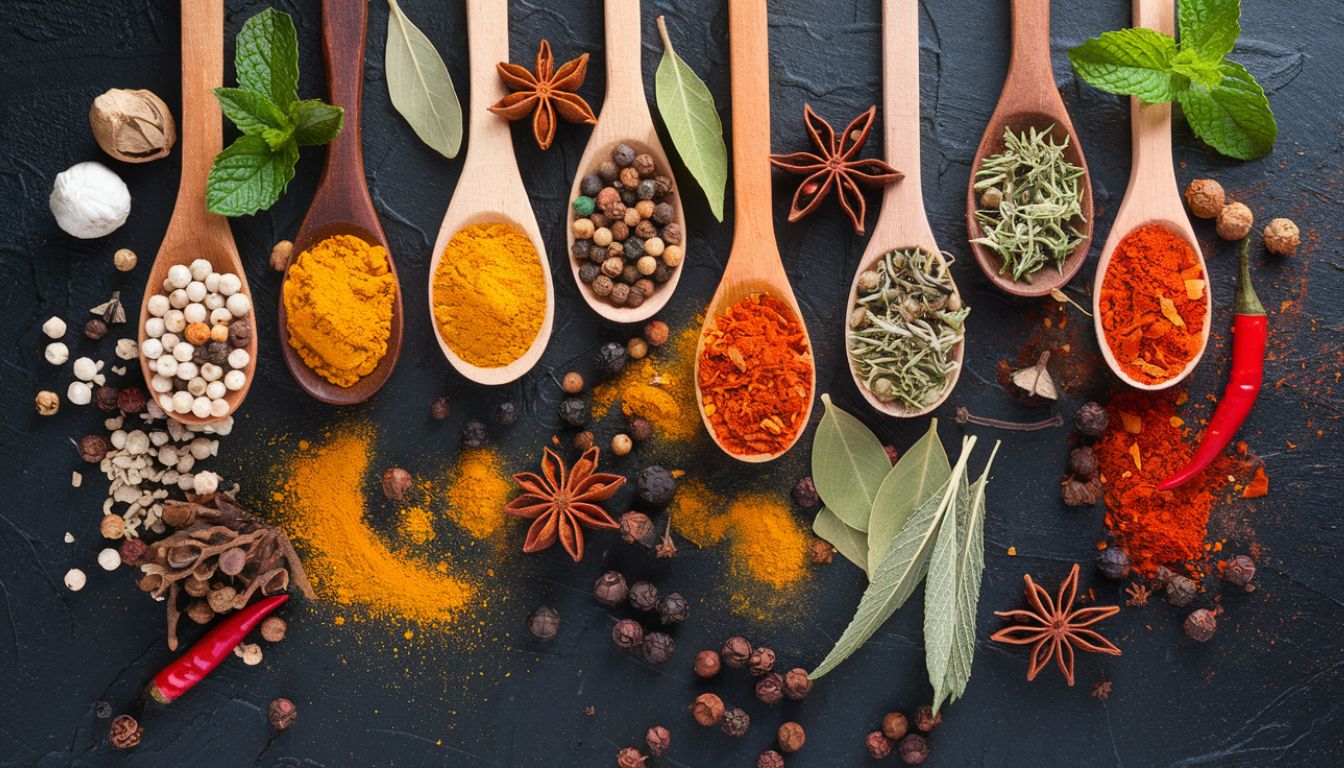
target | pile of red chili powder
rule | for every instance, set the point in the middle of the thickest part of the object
(1145, 443)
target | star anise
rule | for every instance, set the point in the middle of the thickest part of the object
(1138, 595)
(562, 502)
(1055, 627)
(835, 167)
(544, 94)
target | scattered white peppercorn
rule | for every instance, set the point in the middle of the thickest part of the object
(54, 327)
(75, 579)
(109, 559)
(124, 259)
(56, 353)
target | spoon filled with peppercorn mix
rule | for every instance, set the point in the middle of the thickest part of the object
(1029, 202)
(904, 331)
(755, 377)
(1152, 211)
(490, 293)
(198, 253)
(627, 231)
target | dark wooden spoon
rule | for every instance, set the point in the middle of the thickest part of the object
(1029, 99)
(342, 205)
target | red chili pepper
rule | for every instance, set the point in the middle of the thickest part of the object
(192, 667)
(1249, 330)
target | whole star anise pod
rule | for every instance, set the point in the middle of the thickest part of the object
(544, 94)
(834, 167)
(1055, 627)
(562, 502)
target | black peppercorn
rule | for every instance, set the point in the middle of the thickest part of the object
(662, 273)
(623, 155)
(474, 434)
(636, 527)
(656, 486)
(610, 588)
(672, 234)
(627, 634)
(439, 408)
(797, 684)
(673, 608)
(1080, 493)
(736, 651)
(589, 272)
(658, 739)
(574, 411)
(805, 493)
(1113, 563)
(95, 329)
(639, 429)
(105, 398)
(646, 189)
(1200, 625)
(735, 722)
(770, 759)
(134, 552)
(590, 185)
(658, 647)
(1091, 419)
(102, 710)
(607, 171)
(770, 689)
(1180, 591)
(240, 333)
(544, 623)
(125, 732)
(643, 596)
(914, 749)
(629, 197)
(217, 352)
(611, 358)
(1239, 571)
(507, 413)
(761, 661)
(663, 213)
(707, 664)
(1083, 462)
(878, 745)
(620, 293)
(926, 720)
(634, 298)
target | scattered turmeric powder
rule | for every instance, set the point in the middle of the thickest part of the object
(477, 491)
(660, 389)
(416, 525)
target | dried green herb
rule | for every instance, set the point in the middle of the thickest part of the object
(919, 472)
(692, 120)
(420, 86)
(847, 541)
(1031, 203)
(905, 326)
(849, 464)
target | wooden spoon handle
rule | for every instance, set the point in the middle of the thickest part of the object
(749, 60)
(900, 98)
(625, 54)
(1031, 46)
(487, 45)
(202, 72)
(344, 28)
(1150, 124)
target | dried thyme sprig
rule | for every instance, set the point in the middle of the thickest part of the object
(1031, 203)
(906, 323)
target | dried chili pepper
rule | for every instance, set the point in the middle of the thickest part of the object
(1249, 329)
(193, 666)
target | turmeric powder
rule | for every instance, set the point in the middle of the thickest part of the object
(489, 294)
(477, 491)
(338, 307)
(661, 390)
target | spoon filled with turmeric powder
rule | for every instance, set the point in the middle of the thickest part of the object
(340, 312)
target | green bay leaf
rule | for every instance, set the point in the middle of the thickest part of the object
(692, 120)
(420, 86)
(940, 590)
(920, 472)
(848, 465)
(847, 541)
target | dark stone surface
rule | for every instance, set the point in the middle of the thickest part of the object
(1265, 691)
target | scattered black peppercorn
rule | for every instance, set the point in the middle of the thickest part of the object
(574, 411)
(474, 434)
(281, 714)
(1083, 462)
(643, 596)
(1113, 563)
(707, 709)
(544, 623)
(507, 413)
(1200, 625)
(584, 440)
(95, 329)
(926, 720)
(639, 429)
(396, 482)
(895, 726)
(1080, 493)
(736, 652)
(439, 409)
(805, 493)
(892, 453)
(735, 722)
(610, 589)
(914, 749)
(707, 664)
(658, 739)
(878, 745)
(673, 608)
(770, 689)
(1091, 419)
(636, 527)
(102, 710)
(658, 647)
(1180, 591)
(627, 634)
(797, 684)
(1239, 572)
(770, 759)
(761, 662)
(656, 486)
(611, 358)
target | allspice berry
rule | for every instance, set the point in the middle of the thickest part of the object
(1200, 625)
(656, 333)
(610, 589)
(572, 383)
(914, 749)
(92, 448)
(762, 661)
(125, 732)
(707, 664)
(281, 714)
(1091, 419)
(544, 623)
(440, 408)
(47, 402)
(770, 759)
(621, 444)
(1240, 570)
(791, 737)
(797, 684)
(1234, 221)
(736, 652)
(636, 527)
(639, 429)
(878, 745)
(124, 260)
(273, 629)
(584, 440)
(627, 634)
(1205, 198)
(396, 482)
(1282, 237)
(1180, 590)
(658, 739)
(280, 255)
(133, 126)
(895, 726)
(926, 720)
(707, 709)
(95, 329)
(630, 757)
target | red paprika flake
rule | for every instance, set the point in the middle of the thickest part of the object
(755, 376)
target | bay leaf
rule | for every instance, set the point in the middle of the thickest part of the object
(918, 473)
(848, 466)
(896, 577)
(692, 120)
(847, 541)
(941, 593)
(420, 86)
(970, 574)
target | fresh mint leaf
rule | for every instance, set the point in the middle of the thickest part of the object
(315, 122)
(267, 58)
(252, 112)
(1188, 64)
(1234, 116)
(248, 176)
(1209, 28)
(1130, 62)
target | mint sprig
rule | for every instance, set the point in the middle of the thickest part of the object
(1222, 102)
(252, 172)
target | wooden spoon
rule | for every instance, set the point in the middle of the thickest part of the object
(1030, 100)
(902, 222)
(341, 205)
(754, 264)
(490, 190)
(193, 232)
(1152, 196)
(624, 120)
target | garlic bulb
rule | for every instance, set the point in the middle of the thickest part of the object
(89, 200)
(133, 126)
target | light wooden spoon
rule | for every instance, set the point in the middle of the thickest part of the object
(902, 222)
(1152, 196)
(490, 190)
(754, 264)
(624, 120)
(341, 205)
(193, 232)
(1029, 100)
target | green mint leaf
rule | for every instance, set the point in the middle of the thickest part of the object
(1209, 28)
(1234, 116)
(267, 58)
(1130, 62)
(315, 121)
(248, 177)
(1191, 67)
(252, 112)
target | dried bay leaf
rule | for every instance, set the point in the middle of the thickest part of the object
(419, 84)
(920, 472)
(848, 466)
(692, 120)
(847, 541)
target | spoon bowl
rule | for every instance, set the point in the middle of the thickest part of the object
(1152, 197)
(490, 189)
(341, 205)
(624, 119)
(193, 232)
(1030, 99)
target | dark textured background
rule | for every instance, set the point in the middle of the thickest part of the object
(1266, 691)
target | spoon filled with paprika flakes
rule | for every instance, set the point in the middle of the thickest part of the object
(754, 373)
(340, 316)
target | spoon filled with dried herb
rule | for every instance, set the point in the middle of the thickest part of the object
(1029, 202)
(905, 328)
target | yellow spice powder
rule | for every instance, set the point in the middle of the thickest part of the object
(489, 294)
(416, 525)
(477, 491)
(658, 388)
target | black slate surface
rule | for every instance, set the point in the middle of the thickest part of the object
(1266, 691)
